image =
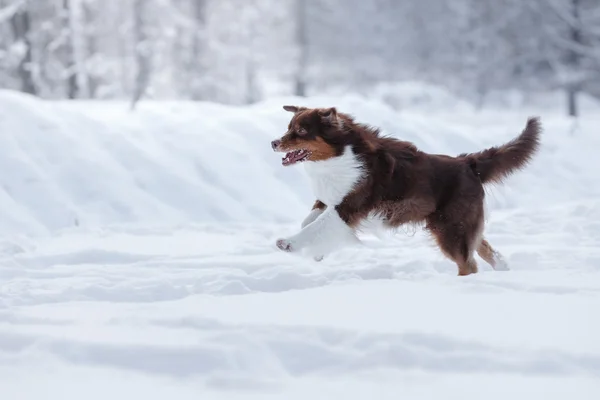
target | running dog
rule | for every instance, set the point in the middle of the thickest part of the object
(357, 174)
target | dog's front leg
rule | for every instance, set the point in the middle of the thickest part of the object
(317, 210)
(312, 215)
(327, 233)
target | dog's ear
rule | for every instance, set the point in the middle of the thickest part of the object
(329, 115)
(293, 109)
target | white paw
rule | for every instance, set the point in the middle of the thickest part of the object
(501, 264)
(284, 245)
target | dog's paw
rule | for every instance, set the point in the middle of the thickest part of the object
(501, 264)
(284, 245)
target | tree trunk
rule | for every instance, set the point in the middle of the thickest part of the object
(91, 45)
(196, 63)
(302, 43)
(143, 53)
(251, 89)
(72, 87)
(78, 46)
(574, 60)
(572, 102)
(20, 25)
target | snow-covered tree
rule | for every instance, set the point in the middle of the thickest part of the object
(18, 16)
(571, 29)
(240, 51)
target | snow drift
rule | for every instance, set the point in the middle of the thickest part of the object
(203, 302)
(67, 164)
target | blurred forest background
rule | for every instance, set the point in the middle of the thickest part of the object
(242, 51)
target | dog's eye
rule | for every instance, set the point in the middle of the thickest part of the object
(301, 131)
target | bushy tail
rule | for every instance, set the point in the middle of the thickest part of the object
(497, 163)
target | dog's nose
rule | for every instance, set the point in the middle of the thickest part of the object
(275, 144)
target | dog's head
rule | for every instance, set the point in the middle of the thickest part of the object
(314, 134)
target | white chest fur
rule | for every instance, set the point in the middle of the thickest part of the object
(334, 178)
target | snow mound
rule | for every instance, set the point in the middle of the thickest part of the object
(92, 164)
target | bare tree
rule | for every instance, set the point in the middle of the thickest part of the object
(571, 29)
(20, 23)
(143, 53)
(573, 57)
(77, 38)
(90, 44)
(198, 49)
(301, 11)
(72, 87)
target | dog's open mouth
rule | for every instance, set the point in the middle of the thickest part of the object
(295, 156)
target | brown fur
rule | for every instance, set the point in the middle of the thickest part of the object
(405, 185)
(487, 253)
(319, 204)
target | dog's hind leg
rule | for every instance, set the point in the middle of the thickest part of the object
(455, 246)
(458, 232)
(491, 256)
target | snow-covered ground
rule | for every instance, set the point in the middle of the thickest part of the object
(137, 260)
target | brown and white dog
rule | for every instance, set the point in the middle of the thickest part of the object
(357, 174)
